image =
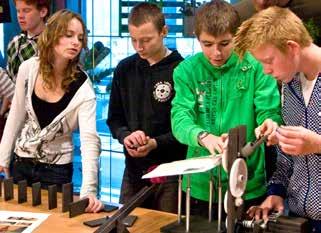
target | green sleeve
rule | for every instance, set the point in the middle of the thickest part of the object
(183, 113)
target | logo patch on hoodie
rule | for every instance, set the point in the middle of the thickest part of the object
(162, 91)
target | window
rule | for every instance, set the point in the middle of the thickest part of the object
(113, 44)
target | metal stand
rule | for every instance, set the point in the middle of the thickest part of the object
(188, 202)
(197, 224)
(237, 139)
(236, 168)
(179, 207)
(219, 188)
(114, 223)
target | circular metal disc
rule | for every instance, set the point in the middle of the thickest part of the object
(225, 201)
(238, 177)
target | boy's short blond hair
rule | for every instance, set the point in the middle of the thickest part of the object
(273, 25)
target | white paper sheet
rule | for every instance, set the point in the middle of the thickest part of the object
(187, 166)
(24, 222)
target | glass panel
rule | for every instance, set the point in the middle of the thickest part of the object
(106, 49)
(2, 51)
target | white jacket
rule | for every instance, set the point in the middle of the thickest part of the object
(52, 144)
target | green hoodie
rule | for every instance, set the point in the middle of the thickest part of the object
(216, 99)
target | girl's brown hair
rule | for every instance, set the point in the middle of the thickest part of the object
(56, 28)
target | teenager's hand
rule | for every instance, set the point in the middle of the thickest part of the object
(145, 149)
(94, 205)
(271, 203)
(142, 151)
(214, 143)
(135, 139)
(297, 140)
(5, 170)
(268, 128)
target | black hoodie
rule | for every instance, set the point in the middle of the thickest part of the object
(140, 99)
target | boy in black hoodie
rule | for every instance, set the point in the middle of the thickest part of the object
(139, 107)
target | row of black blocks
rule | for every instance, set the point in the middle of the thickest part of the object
(67, 193)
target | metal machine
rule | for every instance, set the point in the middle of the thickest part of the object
(233, 161)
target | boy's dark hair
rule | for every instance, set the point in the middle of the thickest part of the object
(39, 5)
(147, 12)
(216, 18)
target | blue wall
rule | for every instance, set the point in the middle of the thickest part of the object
(10, 29)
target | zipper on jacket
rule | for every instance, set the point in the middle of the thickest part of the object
(218, 170)
(221, 102)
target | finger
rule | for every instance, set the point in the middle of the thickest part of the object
(98, 206)
(289, 149)
(272, 139)
(131, 152)
(271, 128)
(258, 213)
(265, 214)
(290, 128)
(257, 132)
(128, 142)
(219, 148)
(251, 211)
(210, 148)
(92, 208)
(140, 137)
(263, 128)
(141, 133)
(224, 136)
(137, 154)
(289, 131)
(135, 142)
(90, 204)
(129, 146)
(142, 148)
(142, 153)
(220, 145)
(267, 128)
(284, 137)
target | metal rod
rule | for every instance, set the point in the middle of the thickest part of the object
(179, 207)
(210, 198)
(188, 204)
(132, 203)
(219, 200)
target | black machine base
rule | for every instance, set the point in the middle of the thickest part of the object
(197, 225)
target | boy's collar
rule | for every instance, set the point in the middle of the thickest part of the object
(29, 37)
(231, 61)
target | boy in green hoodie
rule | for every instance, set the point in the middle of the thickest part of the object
(215, 92)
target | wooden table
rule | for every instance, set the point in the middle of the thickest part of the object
(149, 221)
